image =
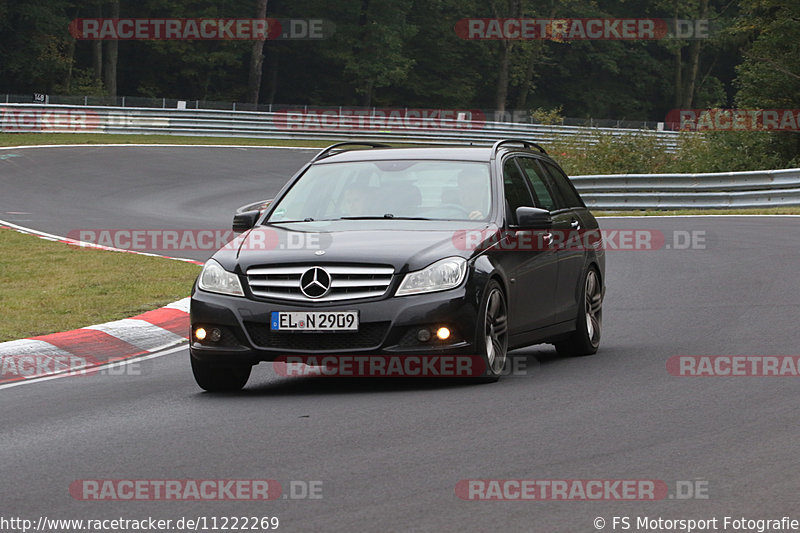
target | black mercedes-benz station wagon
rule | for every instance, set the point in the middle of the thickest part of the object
(404, 252)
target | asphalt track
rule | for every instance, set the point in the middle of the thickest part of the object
(389, 453)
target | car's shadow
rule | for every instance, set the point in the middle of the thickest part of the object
(522, 364)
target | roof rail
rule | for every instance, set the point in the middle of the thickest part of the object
(327, 151)
(527, 144)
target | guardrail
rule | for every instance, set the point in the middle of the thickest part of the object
(621, 191)
(761, 188)
(494, 115)
(420, 126)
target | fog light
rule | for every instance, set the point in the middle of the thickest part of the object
(443, 334)
(423, 335)
(200, 334)
(215, 335)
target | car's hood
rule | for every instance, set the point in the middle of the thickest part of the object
(404, 244)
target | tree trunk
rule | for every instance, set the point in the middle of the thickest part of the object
(110, 63)
(525, 88)
(273, 56)
(97, 48)
(678, 67)
(678, 77)
(71, 57)
(366, 95)
(501, 93)
(694, 62)
(502, 78)
(256, 59)
(365, 85)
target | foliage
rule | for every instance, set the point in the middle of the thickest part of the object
(406, 53)
(696, 152)
(541, 115)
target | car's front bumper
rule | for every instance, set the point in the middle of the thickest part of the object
(387, 326)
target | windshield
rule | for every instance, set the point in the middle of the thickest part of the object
(436, 190)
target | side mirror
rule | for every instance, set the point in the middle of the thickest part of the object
(533, 218)
(260, 205)
(245, 220)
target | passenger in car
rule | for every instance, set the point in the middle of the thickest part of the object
(354, 202)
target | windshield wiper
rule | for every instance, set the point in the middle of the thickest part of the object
(309, 219)
(387, 216)
(384, 217)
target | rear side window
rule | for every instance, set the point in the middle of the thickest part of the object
(565, 189)
(516, 192)
(537, 181)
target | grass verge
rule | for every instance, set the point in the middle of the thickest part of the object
(46, 287)
(27, 139)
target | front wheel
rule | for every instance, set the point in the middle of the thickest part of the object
(220, 378)
(586, 337)
(492, 334)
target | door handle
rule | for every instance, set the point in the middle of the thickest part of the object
(575, 224)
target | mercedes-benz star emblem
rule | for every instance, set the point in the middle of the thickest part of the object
(315, 282)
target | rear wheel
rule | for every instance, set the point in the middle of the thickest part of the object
(220, 378)
(492, 335)
(586, 338)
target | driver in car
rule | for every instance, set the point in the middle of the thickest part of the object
(354, 202)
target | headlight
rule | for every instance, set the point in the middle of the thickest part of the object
(214, 278)
(440, 276)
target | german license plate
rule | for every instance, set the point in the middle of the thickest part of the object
(314, 321)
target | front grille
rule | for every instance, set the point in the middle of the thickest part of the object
(346, 282)
(369, 335)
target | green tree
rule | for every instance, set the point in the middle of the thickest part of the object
(770, 73)
(34, 45)
(369, 43)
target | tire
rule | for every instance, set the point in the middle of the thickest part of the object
(220, 378)
(586, 337)
(492, 332)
